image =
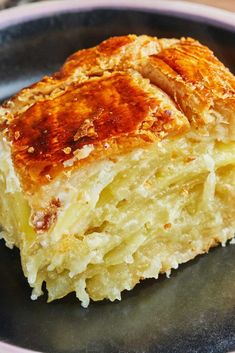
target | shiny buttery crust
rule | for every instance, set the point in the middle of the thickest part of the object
(101, 98)
(191, 74)
(95, 100)
(111, 115)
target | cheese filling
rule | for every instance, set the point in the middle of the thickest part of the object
(122, 220)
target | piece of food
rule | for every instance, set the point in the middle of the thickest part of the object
(119, 167)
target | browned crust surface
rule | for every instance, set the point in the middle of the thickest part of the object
(116, 53)
(196, 65)
(89, 59)
(94, 113)
(190, 73)
(96, 100)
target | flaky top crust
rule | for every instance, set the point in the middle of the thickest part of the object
(99, 106)
(98, 114)
(197, 65)
(190, 73)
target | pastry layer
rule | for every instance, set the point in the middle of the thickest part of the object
(52, 135)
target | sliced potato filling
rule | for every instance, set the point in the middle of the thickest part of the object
(130, 218)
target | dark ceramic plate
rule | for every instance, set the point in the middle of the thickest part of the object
(194, 311)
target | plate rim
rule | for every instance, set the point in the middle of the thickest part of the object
(29, 12)
(9, 348)
(33, 11)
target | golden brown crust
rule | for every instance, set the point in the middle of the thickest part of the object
(94, 113)
(89, 59)
(191, 74)
(197, 66)
(98, 99)
(116, 53)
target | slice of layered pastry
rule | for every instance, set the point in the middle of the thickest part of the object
(119, 167)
